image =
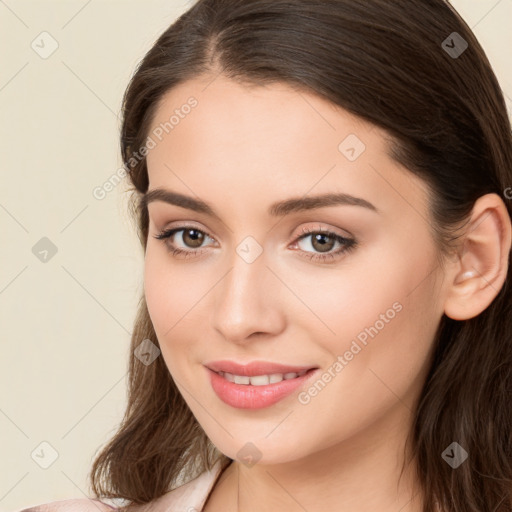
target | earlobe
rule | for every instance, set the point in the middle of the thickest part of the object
(482, 265)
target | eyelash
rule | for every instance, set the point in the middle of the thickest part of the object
(348, 244)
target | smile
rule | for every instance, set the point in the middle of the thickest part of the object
(257, 391)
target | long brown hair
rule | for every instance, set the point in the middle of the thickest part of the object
(389, 63)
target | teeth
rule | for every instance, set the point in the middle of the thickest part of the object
(241, 379)
(260, 380)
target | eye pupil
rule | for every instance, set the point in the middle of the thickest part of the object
(196, 237)
(324, 246)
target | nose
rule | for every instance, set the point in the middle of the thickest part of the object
(249, 302)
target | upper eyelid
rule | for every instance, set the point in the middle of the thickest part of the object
(323, 229)
(186, 225)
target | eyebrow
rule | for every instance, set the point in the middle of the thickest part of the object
(278, 209)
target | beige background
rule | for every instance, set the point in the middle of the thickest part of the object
(66, 322)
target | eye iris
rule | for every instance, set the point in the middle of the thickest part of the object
(197, 237)
(324, 246)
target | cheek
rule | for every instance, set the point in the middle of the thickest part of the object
(171, 292)
(346, 300)
(384, 340)
(160, 297)
(168, 299)
(376, 365)
(382, 318)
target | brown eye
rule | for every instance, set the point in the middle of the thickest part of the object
(184, 240)
(193, 237)
(322, 242)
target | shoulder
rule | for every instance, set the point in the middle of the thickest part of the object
(190, 496)
(187, 497)
(72, 505)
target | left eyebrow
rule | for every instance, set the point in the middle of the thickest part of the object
(278, 209)
(298, 204)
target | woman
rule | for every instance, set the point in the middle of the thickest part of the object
(322, 191)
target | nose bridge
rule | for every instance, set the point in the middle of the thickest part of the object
(245, 300)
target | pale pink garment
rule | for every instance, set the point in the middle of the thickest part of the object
(189, 497)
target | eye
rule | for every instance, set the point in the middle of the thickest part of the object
(324, 240)
(191, 237)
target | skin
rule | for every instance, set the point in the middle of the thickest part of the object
(240, 150)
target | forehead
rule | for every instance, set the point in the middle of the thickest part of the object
(214, 135)
(242, 116)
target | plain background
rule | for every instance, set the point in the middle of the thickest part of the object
(66, 322)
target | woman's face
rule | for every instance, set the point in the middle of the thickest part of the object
(250, 283)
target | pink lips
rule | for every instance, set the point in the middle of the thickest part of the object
(245, 396)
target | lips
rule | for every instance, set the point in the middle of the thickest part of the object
(255, 368)
(249, 396)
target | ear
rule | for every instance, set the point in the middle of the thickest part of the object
(481, 267)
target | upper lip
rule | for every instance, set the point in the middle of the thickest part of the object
(254, 368)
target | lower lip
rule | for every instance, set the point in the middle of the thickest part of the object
(243, 396)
